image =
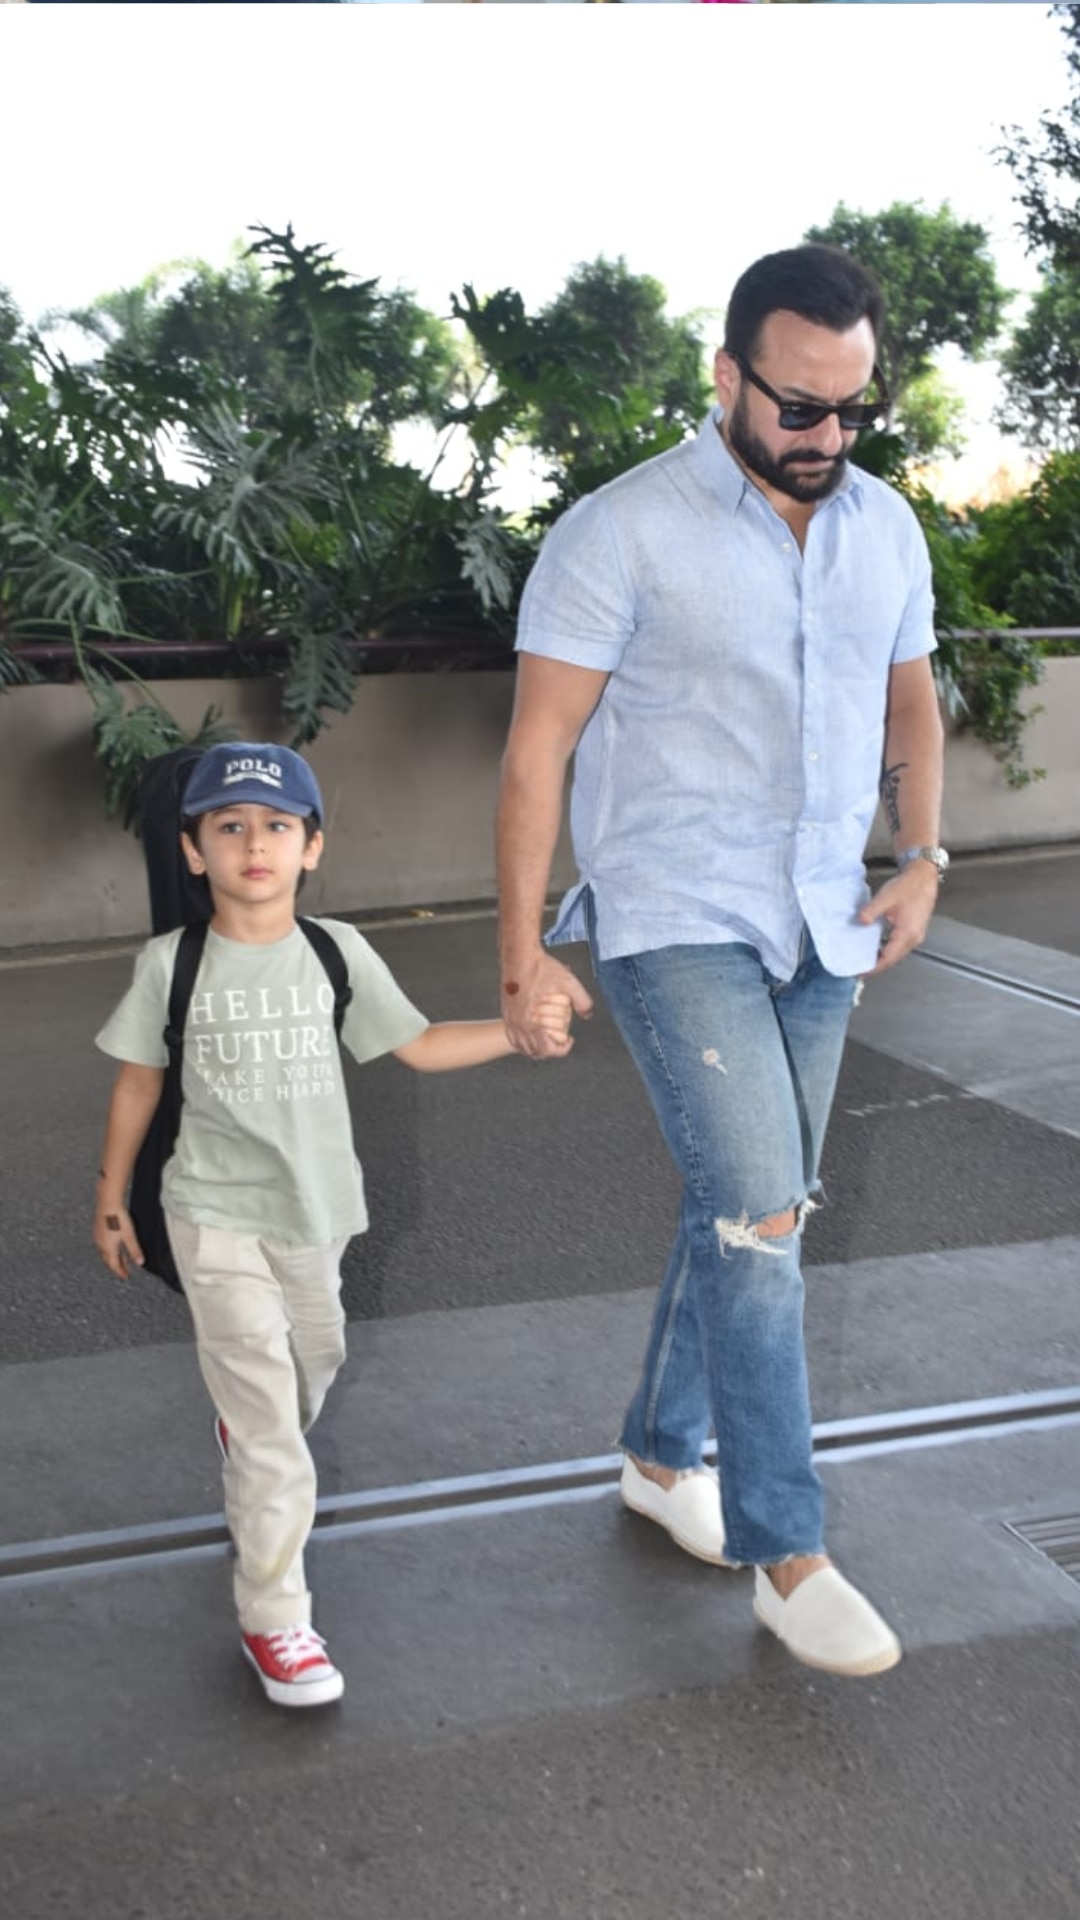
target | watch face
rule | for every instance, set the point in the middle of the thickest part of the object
(936, 856)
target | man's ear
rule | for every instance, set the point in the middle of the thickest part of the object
(194, 858)
(726, 374)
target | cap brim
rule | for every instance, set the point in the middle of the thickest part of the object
(254, 795)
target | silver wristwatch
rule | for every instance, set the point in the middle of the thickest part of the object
(937, 857)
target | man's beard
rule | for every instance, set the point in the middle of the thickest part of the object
(806, 485)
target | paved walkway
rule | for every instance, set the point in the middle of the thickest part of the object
(550, 1711)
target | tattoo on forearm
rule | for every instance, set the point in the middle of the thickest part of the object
(890, 794)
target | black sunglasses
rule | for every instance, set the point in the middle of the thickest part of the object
(798, 416)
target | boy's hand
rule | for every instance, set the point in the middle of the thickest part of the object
(553, 1014)
(116, 1240)
(535, 980)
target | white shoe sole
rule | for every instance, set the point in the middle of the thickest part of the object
(881, 1662)
(821, 1618)
(296, 1693)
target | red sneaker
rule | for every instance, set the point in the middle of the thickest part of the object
(221, 1435)
(293, 1667)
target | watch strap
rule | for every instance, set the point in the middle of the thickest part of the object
(936, 856)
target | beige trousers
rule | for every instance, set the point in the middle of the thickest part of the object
(270, 1336)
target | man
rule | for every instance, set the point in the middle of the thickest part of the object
(733, 641)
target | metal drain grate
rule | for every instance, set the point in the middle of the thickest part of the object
(1057, 1538)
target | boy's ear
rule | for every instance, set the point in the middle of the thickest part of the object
(191, 854)
(313, 852)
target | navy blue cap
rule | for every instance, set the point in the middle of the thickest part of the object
(245, 772)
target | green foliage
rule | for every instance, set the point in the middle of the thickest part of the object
(126, 738)
(645, 372)
(320, 675)
(930, 417)
(13, 671)
(938, 278)
(69, 583)
(223, 466)
(487, 559)
(1026, 559)
(883, 454)
(1046, 166)
(597, 381)
(991, 674)
(982, 668)
(1041, 365)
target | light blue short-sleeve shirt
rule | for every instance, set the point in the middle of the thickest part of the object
(725, 786)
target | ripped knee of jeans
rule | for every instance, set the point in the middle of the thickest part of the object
(749, 1236)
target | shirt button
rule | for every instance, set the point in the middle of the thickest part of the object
(815, 756)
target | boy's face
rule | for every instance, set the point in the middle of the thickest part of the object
(252, 855)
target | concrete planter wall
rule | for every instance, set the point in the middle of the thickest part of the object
(409, 779)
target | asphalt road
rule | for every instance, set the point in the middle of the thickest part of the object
(550, 1712)
(520, 1181)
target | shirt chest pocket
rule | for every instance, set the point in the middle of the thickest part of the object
(855, 615)
(860, 656)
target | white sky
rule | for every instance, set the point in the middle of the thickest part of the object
(501, 147)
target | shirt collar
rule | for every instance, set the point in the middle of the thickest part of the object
(729, 482)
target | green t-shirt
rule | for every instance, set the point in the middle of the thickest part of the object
(265, 1142)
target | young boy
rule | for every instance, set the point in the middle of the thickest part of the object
(264, 1190)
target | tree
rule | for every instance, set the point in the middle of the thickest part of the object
(598, 380)
(1040, 367)
(222, 467)
(1026, 558)
(940, 286)
(982, 668)
(611, 324)
(1046, 166)
(931, 418)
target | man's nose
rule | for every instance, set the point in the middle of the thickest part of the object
(829, 436)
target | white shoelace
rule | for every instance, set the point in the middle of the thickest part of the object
(293, 1645)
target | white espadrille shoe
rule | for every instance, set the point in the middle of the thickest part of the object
(689, 1511)
(825, 1622)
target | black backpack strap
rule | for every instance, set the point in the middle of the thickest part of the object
(144, 1200)
(189, 953)
(333, 961)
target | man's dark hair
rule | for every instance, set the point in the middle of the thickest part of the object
(819, 283)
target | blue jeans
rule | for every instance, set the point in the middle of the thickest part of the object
(741, 1069)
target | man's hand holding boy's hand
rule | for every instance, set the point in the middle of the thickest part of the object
(116, 1240)
(531, 983)
(551, 1016)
